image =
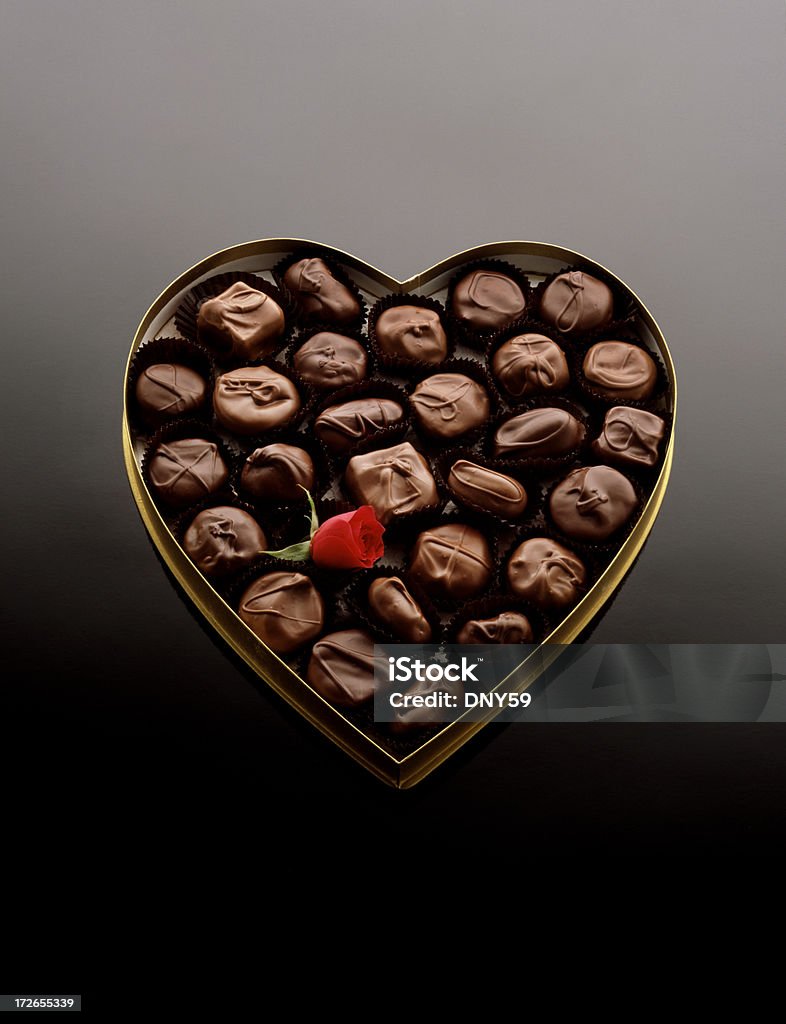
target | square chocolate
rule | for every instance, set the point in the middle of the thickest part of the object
(394, 481)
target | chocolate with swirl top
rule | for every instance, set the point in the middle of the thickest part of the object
(575, 302)
(241, 321)
(343, 426)
(394, 481)
(487, 489)
(278, 473)
(284, 609)
(223, 539)
(319, 294)
(341, 668)
(184, 471)
(412, 332)
(630, 436)
(617, 369)
(530, 364)
(486, 300)
(449, 404)
(397, 609)
(329, 360)
(169, 389)
(546, 573)
(539, 434)
(452, 561)
(592, 502)
(254, 399)
(504, 628)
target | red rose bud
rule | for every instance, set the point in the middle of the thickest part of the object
(349, 541)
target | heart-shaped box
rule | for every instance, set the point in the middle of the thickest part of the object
(537, 260)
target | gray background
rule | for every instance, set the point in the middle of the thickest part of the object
(138, 138)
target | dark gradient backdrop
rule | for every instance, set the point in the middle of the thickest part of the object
(138, 138)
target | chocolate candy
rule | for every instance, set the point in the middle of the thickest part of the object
(451, 561)
(495, 492)
(630, 436)
(546, 573)
(504, 628)
(169, 389)
(539, 434)
(187, 470)
(241, 321)
(592, 502)
(412, 332)
(319, 295)
(223, 539)
(254, 399)
(530, 364)
(341, 668)
(397, 609)
(575, 302)
(284, 609)
(618, 369)
(278, 473)
(486, 300)
(394, 481)
(330, 361)
(343, 426)
(425, 716)
(449, 404)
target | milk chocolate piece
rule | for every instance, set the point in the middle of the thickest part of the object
(487, 300)
(394, 481)
(530, 364)
(343, 426)
(284, 609)
(546, 573)
(319, 295)
(425, 716)
(592, 502)
(504, 628)
(329, 361)
(187, 470)
(630, 436)
(575, 302)
(341, 668)
(241, 321)
(618, 369)
(397, 609)
(223, 539)
(539, 434)
(487, 489)
(412, 332)
(169, 389)
(452, 561)
(278, 473)
(449, 404)
(254, 399)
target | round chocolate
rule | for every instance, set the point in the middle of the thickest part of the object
(394, 481)
(630, 436)
(539, 434)
(452, 561)
(319, 295)
(592, 502)
(618, 369)
(487, 300)
(278, 473)
(169, 389)
(254, 399)
(576, 301)
(343, 426)
(223, 539)
(546, 573)
(412, 332)
(330, 361)
(397, 609)
(530, 364)
(504, 628)
(284, 609)
(487, 489)
(241, 321)
(341, 668)
(187, 470)
(449, 404)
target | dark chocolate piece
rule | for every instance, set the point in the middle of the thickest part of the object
(530, 364)
(449, 404)
(278, 473)
(397, 609)
(618, 369)
(343, 426)
(341, 668)
(539, 434)
(630, 436)
(319, 295)
(592, 502)
(169, 389)
(329, 361)
(504, 628)
(394, 481)
(452, 561)
(412, 332)
(242, 321)
(223, 539)
(576, 301)
(254, 399)
(487, 489)
(187, 470)
(546, 573)
(284, 609)
(486, 300)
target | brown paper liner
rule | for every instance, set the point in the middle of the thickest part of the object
(477, 371)
(336, 269)
(402, 363)
(357, 598)
(531, 485)
(307, 332)
(527, 326)
(624, 309)
(588, 391)
(372, 387)
(542, 464)
(307, 402)
(494, 604)
(168, 350)
(463, 330)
